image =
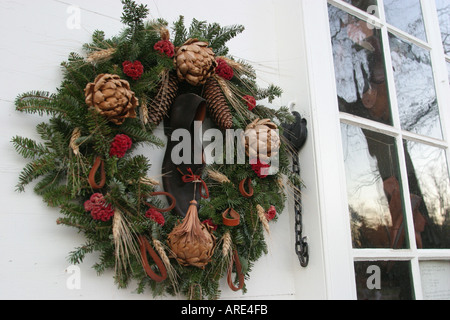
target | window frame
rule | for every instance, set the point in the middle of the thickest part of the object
(339, 255)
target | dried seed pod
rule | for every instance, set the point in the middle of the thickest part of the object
(261, 139)
(192, 243)
(195, 62)
(112, 97)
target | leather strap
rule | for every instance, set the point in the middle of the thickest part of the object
(235, 260)
(235, 219)
(146, 247)
(246, 194)
(171, 197)
(98, 164)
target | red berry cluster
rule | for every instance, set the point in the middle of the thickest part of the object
(133, 69)
(165, 47)
(224, 70)
(98, 208)
(271, 213)
(121, 144)
(251, 102)
(156, 216)
(261, 169)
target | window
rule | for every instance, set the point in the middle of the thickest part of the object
(391, 65)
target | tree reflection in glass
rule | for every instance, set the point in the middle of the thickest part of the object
(443, 9)
(407, 16)
(374, 193)
(416, 94)
(359, 67)
(429, 184)
(364, 5)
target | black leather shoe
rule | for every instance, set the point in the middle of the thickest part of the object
(182, 170)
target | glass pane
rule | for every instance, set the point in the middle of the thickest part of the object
(407, 16)
(383, 280)
(373, 191)
(416, 93)
(435, 276)
(443, 8)
(429, 184)
(365, 5)
(359, 67)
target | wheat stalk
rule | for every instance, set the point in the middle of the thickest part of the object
(149, 181)
(233, 95)
(144, 111)
(217, 176)
(171, 272)
(73, 141)
(262, 218)
(227, 244)
(100, 55)
(124, 242)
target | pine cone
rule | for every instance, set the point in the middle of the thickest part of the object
(195, 62)
(192, 243)
(261, 139)
(217, 104)
(160, 106)
(112, 98)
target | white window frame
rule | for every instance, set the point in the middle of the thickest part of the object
(338, 254)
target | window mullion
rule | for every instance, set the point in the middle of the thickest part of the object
(399, 137)
(406, 195)
(416, 279)
(440, 73)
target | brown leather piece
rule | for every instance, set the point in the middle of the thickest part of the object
(235, 219)
(146, 247)
(246, 194)
(169, 196)
(235, 260)
(98, 164)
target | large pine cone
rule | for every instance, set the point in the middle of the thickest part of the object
(192, 243)
(261, 139)
(160, 106)
(112, 98)
(217, 104)
(195, 62)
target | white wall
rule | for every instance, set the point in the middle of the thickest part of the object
(35, 40)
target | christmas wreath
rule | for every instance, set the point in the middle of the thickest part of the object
(109, 103)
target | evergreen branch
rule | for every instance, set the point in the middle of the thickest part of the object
(77, 256)
(137, 134)
(271, 93)
(180, 32)
(39, 102)
(27, 148)
(133, 15)
(218, 37)
(34, 170)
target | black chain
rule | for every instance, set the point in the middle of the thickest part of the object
(301, 243)
(296, 133)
